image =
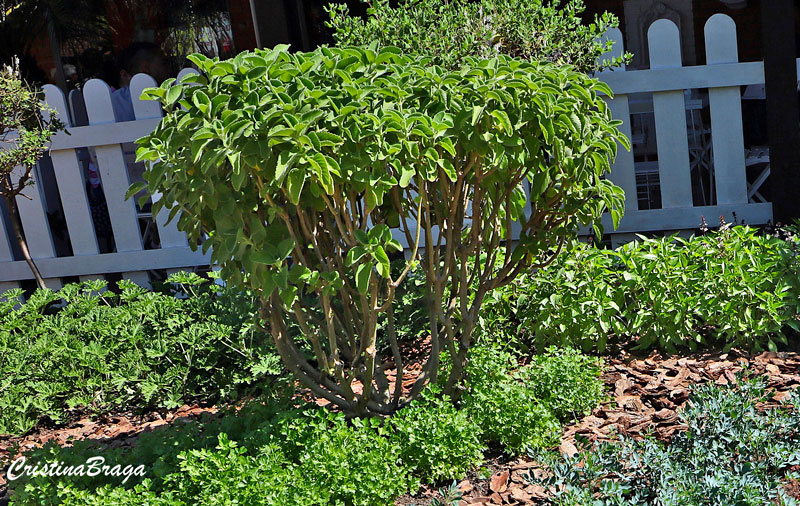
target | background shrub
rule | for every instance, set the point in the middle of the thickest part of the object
(733, 287)
(449, 31)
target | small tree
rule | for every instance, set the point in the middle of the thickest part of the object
(450, 30)
(306, 171)
(24, 134)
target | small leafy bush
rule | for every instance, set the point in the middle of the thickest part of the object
(138, 349)
(732, 453)
(437, 440)
(566, 381)
(303, 171)
(449, 31)
(733, 287)
(520, 408)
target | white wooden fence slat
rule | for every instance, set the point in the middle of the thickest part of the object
(168, 234)
(35, 225)
(71, 186)
(699, 76)
(144, 109)
(6, 254)
(622, 169)
(113, 172)
(670, 119)
(6, 236)
(115, 179)
(111, 133)
(34, 219)
(677, 218)
(75, 203)
(170, 258)
(727, 134)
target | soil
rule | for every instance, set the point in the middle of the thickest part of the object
(647, 393)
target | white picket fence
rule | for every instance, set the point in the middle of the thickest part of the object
(106, 136)
(667, 80)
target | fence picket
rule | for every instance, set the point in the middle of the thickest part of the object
(670, 119)
(114, 176)
(727, 132)
(168, 234)
(622, 169)
(6, 255)
(39, 239)
(71, 185)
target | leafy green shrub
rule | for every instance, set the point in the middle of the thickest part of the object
(731, 453)
(566, 381)
(102, 351)
(520, 408)
(298, 166)
(450, 31)
(733, 287)
(437, 440)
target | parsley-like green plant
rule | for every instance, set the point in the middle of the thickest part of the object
(305, 171)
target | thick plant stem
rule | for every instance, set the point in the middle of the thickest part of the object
(16, 224)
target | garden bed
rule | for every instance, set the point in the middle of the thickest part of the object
(646, 396)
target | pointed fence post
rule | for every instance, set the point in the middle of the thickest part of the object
(114, 176)
(623, 172)
(727, 135)
(670, 115)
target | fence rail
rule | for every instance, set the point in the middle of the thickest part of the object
(91, 122)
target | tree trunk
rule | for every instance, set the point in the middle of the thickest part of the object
(17, 225)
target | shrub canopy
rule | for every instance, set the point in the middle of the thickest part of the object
(451, 30)
(299, 166)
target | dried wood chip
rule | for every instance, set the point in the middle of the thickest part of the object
(498, 482)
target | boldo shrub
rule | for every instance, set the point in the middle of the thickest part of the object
(304, 172)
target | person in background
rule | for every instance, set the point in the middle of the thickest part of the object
(139, 57)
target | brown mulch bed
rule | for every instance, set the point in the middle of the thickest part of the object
(647, 393)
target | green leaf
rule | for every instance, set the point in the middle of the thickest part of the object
(363, 275)
(505, 122)
(286, 161)
(294, 184)
(134, 189)
(383, 268)
(173, 94)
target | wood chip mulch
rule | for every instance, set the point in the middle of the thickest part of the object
(647, 394)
